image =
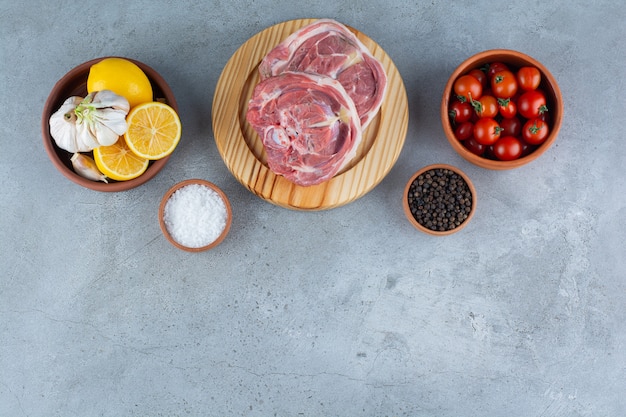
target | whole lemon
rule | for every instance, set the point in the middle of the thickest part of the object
(121, 76)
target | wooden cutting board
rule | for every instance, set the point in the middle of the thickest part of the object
(243, 152)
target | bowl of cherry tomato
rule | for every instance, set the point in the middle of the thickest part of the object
(501, 109)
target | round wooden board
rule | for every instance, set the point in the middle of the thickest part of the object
(243, 152)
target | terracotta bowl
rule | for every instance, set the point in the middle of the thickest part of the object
(407, 209)
(176, 187)
(74, 83)
(514, 60)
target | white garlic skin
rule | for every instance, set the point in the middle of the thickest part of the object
(86, 167)
(63, 126)
(102, 117)
(82, 124)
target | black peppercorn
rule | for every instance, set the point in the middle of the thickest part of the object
(440, 199)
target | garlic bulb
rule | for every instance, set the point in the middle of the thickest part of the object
(86, 167)
(81, 125)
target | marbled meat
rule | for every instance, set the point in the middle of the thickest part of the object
(327, 47)
(308, 124)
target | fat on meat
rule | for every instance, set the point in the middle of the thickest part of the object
(328, 47)
(307, 123)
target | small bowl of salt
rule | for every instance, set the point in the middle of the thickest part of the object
(195, 215)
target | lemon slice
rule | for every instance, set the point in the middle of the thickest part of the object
(153, 130)
(118, 162)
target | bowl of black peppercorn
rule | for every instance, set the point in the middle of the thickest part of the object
(439, 199)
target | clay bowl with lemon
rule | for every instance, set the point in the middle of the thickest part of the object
(146, 124)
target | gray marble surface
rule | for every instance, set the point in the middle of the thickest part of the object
(344, 312)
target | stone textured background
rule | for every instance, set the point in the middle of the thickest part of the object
(345, 312)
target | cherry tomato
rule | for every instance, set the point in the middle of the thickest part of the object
(489, 152)
(527, 148)
(495, 67)
(535, 131)
(504, 84)
(528, 78)
(531, 104)
(474, 147)
(467, 88)
(480, 76)
(511, 127)
(545, 116)
(464, 131)
(487, 131)
(486, 106)
(507, 107)
(507, 148)
(460, 111)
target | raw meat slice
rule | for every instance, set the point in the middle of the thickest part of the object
(308, 125)
(329, 48)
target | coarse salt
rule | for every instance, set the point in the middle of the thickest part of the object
(195, 215)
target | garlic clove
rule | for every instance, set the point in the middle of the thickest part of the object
(104, 135)
(114, 119)
(85, 136)
(108, 99)
(86, 167)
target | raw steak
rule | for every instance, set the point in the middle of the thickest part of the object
(308, 125)
(329, 48)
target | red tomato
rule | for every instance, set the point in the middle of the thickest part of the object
(528, 78)
(507, 107)
(504, 84)
(486, 106)
(489, 152)
(464, 131)
(495, 67)
(507, 148)
(527, 148)
(535, 131)
(480, 76)
(511, 127)
(531, 104)
(467, 88)
(487, 131)
(474, 147)
(545, 116)
(460, 111)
